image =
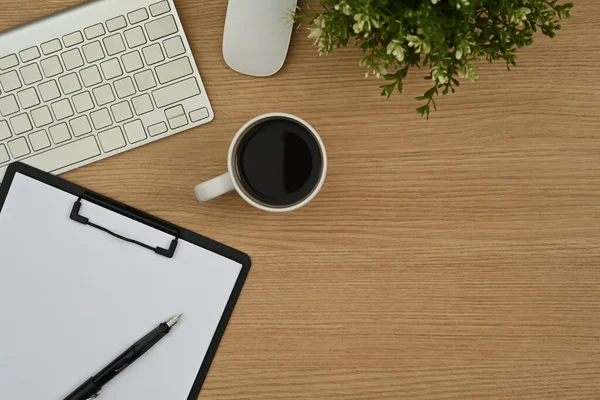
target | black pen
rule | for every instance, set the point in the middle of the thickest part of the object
(90, 388)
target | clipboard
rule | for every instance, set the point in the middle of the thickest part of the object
(172, 254)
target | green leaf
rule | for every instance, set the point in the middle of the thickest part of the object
(387, 90)
(430, 92)
(401, 74)
(423, 110)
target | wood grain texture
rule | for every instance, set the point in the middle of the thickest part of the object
(456, 258)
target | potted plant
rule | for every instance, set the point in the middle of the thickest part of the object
(445, 37)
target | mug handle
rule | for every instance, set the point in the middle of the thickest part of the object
(214, 188)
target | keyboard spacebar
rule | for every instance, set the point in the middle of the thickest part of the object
(64, 156)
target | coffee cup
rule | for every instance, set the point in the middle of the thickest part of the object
(276, 162)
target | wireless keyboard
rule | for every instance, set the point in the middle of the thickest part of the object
(94, 81)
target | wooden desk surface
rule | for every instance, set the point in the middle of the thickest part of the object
(456, 258)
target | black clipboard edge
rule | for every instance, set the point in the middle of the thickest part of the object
(185, 234)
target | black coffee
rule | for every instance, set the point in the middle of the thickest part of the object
(279, 162)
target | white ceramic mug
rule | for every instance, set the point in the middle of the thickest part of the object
(230, 180)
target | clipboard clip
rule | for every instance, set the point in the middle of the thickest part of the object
(128, 212)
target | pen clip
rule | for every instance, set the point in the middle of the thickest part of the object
(94, 396)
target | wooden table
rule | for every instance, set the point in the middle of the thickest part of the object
(455, 258)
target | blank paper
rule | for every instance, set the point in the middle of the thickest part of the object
(72, 298)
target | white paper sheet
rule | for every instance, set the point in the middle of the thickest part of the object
(72, 298)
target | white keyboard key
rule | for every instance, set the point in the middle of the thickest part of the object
(132, 61)
(69, 83)
(153, 54)
(51, 46)
(174, 112)
(4, 130)
(31, 74)
(137, 16)
(93, 51)
(103, 95)
(101, 118)
(135, 37)
(135, 131)
(83, 102)
(72, 39)
(41, 116)
(142, 104)
(176, 117)
(10, 81)
(4, 157)
(116, 23)
(111, 68)
(121, 111)
(19, 147)
(39, 140)
(29, 54)
(159, 8)
(66, 155)
(114, 44)
(174, 46)
(28, 98)
(198, 115)
(167, 95)
(145, 80)
(9, 61)
(49, 90)
(112, 139)
(124, 87)
(21, 124)
(94, 31)
(60, 133)
(80, 125)
(72, 59)
(173, 70)
(162, 27)
(8, 105)
(51, 66)
(90, 76)
(157, 129)
(62, 109)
